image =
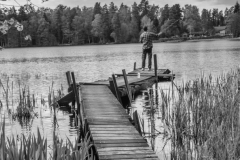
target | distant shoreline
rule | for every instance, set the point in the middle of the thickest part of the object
(162, 40)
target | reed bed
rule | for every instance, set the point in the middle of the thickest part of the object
(201, 119)
(35, 148)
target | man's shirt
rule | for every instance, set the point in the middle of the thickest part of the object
(146, 38)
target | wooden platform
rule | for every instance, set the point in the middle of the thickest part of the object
(147, 79)
(113, 134)
(133, 77)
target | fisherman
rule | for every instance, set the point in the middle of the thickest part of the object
(146, 38)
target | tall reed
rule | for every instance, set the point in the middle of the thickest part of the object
(36, 148)
(202, 119)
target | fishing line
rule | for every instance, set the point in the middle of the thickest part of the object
(171, 25)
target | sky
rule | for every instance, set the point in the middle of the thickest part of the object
(208, 4)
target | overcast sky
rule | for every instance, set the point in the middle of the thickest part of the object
(208, 4)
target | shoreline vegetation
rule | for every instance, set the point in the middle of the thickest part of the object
(200, 120)
(161, 40)
(28, 26)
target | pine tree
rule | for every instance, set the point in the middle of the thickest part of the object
(204, 20)
(106, 24)
(175, 16)
(144, 8)
(116, 28)
(97, 29)
(236, 8)
(164, 15)
(135, 23)
(97, 9)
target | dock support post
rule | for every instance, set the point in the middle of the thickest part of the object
(134, 67)
(127, 86)
(155, 67)
(69, 78)
(116, 88)
(172, 84)
(156, 76)
(77, 98)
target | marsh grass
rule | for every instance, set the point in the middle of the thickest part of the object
(201, 119)
(35, 148)
(24, 147)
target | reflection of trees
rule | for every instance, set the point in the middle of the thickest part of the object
(25, 122)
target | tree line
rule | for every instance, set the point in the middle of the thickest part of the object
(111, 23)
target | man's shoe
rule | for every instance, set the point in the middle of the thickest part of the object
(149, 69)
(142, 69)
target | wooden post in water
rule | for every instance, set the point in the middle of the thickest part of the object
(155, 68)
(172, 85)
(69, 80)
(134, 67)
(156, 77)
(238, 85)
(116, 89)
(76, 97)
(127, 86)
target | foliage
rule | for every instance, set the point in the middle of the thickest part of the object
(31, 147)
(65, 25)
(233, 24)
(172, 25)
(191, 18)
(207, 24)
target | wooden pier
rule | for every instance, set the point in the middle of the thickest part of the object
(146, 80)
(112, 133)
(101, 111)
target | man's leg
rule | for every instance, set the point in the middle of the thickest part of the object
(144, 58)
(149, 58)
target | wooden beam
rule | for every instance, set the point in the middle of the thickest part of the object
(69, 80)
(127, 86)
(155, 68)
(142, 74)
(77, 97)
(116, 89)
(134, 67)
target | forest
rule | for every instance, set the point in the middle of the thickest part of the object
(108, 23)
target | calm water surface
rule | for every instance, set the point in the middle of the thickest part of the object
(39, 67)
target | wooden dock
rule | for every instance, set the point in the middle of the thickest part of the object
(147, 79)
(133, 77)
(112, 133)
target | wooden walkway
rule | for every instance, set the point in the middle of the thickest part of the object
(113, 134)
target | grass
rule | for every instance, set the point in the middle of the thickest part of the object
(31, 147)
(35, 147)
(201, 119)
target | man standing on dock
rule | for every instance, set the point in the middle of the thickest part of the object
(146, 38)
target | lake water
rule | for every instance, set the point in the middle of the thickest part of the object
(39, 67)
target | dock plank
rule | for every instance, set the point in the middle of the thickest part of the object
(127, 156)
(120, 141)
(122, 145)
(113, 134)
